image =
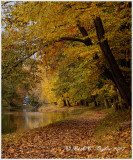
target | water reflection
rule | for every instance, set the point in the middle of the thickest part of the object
(13, 121)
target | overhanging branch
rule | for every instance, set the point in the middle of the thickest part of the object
(87, 41)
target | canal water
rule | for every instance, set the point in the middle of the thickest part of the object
(19, 119)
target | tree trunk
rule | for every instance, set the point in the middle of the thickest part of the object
(87, 103)
(116, 104)
(65, 104)
(82, 102)
(106, 103)
(68, 103)
(116, 72)
(95, 102)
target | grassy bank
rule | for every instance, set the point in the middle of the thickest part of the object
(55, 108)
(113, 121)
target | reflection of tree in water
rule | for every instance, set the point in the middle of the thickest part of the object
(32, 121)
(8, 124)
(53, 117)
(36, 119)
(19, 121)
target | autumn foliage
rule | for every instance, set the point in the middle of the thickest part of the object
(58, 41)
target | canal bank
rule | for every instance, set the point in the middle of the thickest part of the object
(69, 138)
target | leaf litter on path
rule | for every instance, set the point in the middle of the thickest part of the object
(73, 138)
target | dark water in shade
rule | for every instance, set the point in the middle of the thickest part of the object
(19, 119)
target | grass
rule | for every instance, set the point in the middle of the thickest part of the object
(111, 123)
(56, 108)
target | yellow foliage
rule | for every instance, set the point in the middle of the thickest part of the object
(47, 84)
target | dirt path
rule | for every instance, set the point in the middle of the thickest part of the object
(68, 139)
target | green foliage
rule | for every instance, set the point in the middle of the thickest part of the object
(34, 100)
(19, 74)
(73, 81)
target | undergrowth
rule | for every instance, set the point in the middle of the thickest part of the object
(111, 123)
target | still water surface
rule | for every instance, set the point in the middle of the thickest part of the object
(19, 119)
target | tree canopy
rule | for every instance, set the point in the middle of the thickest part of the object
(60, 38)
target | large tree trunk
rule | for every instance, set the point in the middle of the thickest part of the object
(116, 72)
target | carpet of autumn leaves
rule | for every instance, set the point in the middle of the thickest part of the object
(71, 138)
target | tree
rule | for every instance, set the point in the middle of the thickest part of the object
(116, 72)
(18, 73)
(73, 25)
